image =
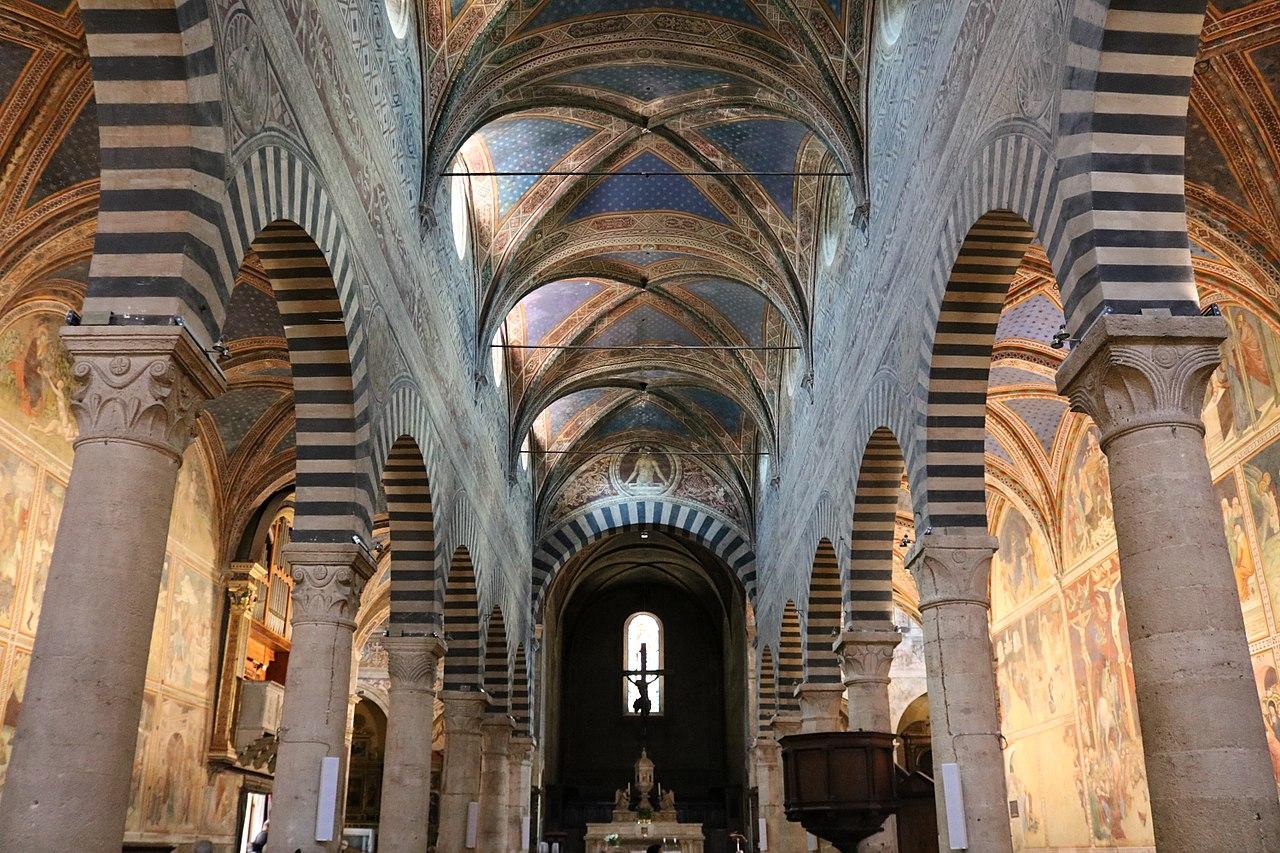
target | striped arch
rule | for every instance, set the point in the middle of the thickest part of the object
(790, 661)
(956, 415)
(767, 676)
(461, 624)
(869, 593)
(497, 674)
(1122, 138)
(521, 701)
(160, 120)
(823, 622)
(414, 606)
(721, 536)
(335, 494)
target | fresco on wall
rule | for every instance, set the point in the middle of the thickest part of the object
(1260, 476)
(49, 508)
(1048, 808)
(1086, 501)
(35, 379)
(12, 704)
(1033, 668)
(191, 627)
(1268, 681)
(17, 493)
(1248, 580)
(1022, 565)
(173, 787)
(133, 817)
(1243, 389)
(192, 520)
(1113, 773)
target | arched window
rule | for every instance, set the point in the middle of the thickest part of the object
(642, 662)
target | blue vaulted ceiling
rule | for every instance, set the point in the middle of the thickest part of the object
(644, 184)
(524, 143)
(647, 292)
(765, 145)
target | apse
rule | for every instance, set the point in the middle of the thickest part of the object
(682, 603)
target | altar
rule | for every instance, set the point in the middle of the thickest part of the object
(637, 824)
(682, 837)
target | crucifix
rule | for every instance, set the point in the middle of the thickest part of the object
(642, 678)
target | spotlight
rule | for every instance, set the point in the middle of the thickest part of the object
(1062, 339)
(220, 350)
(644, 534)
(1212, 311)
(73, 318)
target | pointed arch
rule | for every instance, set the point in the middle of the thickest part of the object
(521, 698)
(823, 623)
(767, 678)
(462, 624)
(334, 488)
(497, 673)
(790, 661)
(956, 413)
(414, 605)
(869, 592)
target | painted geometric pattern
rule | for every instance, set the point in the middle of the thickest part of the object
(648, 83)
(562, 10)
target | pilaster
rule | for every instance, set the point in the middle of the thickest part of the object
(242, 579)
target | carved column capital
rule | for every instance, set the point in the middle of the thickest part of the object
(327, 581)
(242, 580)
(521, 748)
(139, 384)
(952, 568)
(412, 662)
(463, 709)
(1131, 372)
(865, 656)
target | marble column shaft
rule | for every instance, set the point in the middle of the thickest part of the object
(1142, 379)
(328, 578)
(495, 762)
(139, 392)
(412, 663)
(953, 574)
(865, 658)
(460, 778)
(519, 787)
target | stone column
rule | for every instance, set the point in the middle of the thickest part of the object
(784, 836)
(865, 659)
(139, 393)
(242, 593)
(1142, 380)
(953, 574)
(327, 580)
(495, 731)
(819, 706)
(460, 776)
(406, 772)
(519, 787)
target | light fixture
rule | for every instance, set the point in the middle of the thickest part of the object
(644, 534)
